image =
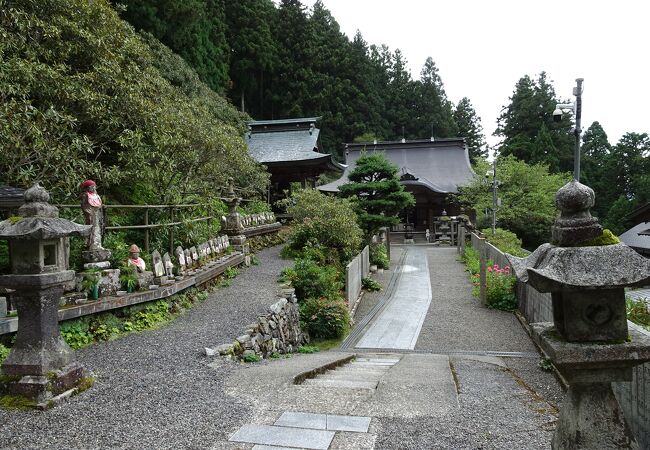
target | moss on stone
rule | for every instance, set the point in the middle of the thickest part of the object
(16, 402)
(84, 384)
(9, 378)
(605, 238)
(15, 219)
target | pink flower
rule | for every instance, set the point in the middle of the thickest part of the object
(489, 269)
(496, 267)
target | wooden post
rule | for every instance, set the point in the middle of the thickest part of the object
(146, 230)
(171, 230)
(483, 271)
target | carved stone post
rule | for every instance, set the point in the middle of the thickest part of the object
(589, 340)
(41, 365)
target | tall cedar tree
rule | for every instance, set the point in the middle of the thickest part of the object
(195, 29)
(469, 127)
(528, 130)
(434, 114)
(253, 52)
(379, 194)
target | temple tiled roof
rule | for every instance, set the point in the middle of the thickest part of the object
(441, 165)
(288, 142)
(635, 237)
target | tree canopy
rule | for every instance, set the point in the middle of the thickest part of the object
(527, 193)
(379, 195)
(286, 60)
(84, 96)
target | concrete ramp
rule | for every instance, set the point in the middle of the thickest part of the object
(398, 325)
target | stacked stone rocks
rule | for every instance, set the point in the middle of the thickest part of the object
(276, 332)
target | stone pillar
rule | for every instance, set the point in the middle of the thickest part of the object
(589, 341)
(40, 365)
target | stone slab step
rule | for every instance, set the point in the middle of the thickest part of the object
(284, 436)
(350, 376)
(347, 384)
(370, 364)
(329, 422)
(272, 447)
(379, 360)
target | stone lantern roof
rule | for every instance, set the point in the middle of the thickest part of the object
(38, 220)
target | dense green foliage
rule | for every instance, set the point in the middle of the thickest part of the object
(370, 284)
(528, 129)
(84, 331)
(378, 194)
(324, 222)
(83, 96)
(379, 256)
(325, 318)
(285, 60)
(504, 240)
(313, 280)
(617, 173)
(527, 193)
(4, 352)
(500, 283)
(638, 312)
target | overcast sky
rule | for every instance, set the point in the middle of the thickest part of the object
(483, 47)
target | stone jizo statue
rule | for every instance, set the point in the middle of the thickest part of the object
(135, 260)
(91, 205)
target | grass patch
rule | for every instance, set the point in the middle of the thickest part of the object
(328, 344)
(370, 284)
(308, 349)
(251, 358)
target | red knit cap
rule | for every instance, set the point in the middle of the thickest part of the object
(88, 183)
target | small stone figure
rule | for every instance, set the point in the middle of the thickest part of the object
(135, 260)
(91, 205)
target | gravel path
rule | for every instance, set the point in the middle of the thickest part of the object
(456, 320)
(495, 412)
(155, 389)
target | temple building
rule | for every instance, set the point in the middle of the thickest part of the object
(429, 169)
(292, 152)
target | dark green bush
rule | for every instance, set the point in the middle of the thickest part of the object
(325, 318)
(324, 222)
(312, 280)
(471, 259)
(505, 240)
(4, 352)
(370, 285)
(379, 256)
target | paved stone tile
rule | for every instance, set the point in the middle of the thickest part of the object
(380, 360)
(348, 423)
(302, 420)
(272, 447)
(346, 384)
(284, 436)
(361, 376)
(399, 324)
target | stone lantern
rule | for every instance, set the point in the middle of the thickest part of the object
(41, 365)
(589, 340)
(232, 223)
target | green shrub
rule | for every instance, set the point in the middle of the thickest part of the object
(325, 318)
(505, 240)
(500, 288)
(76, 333)
(251, 358)
(472, 260)
(325, 222)
(230, 273)
(379, 256)
(370, 285)
(308, 349)
(4, 352)
(312, 280)
(637, 311)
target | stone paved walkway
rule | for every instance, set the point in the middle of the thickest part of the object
(398, 325)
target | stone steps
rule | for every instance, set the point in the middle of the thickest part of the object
(300, 430)
(362, 373)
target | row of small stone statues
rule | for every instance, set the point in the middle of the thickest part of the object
(188, 259)
(254, 220)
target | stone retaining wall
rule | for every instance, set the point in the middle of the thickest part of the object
(277, 332)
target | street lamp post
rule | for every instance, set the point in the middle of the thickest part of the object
(576, 109)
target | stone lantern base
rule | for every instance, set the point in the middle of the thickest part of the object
(590, 417)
